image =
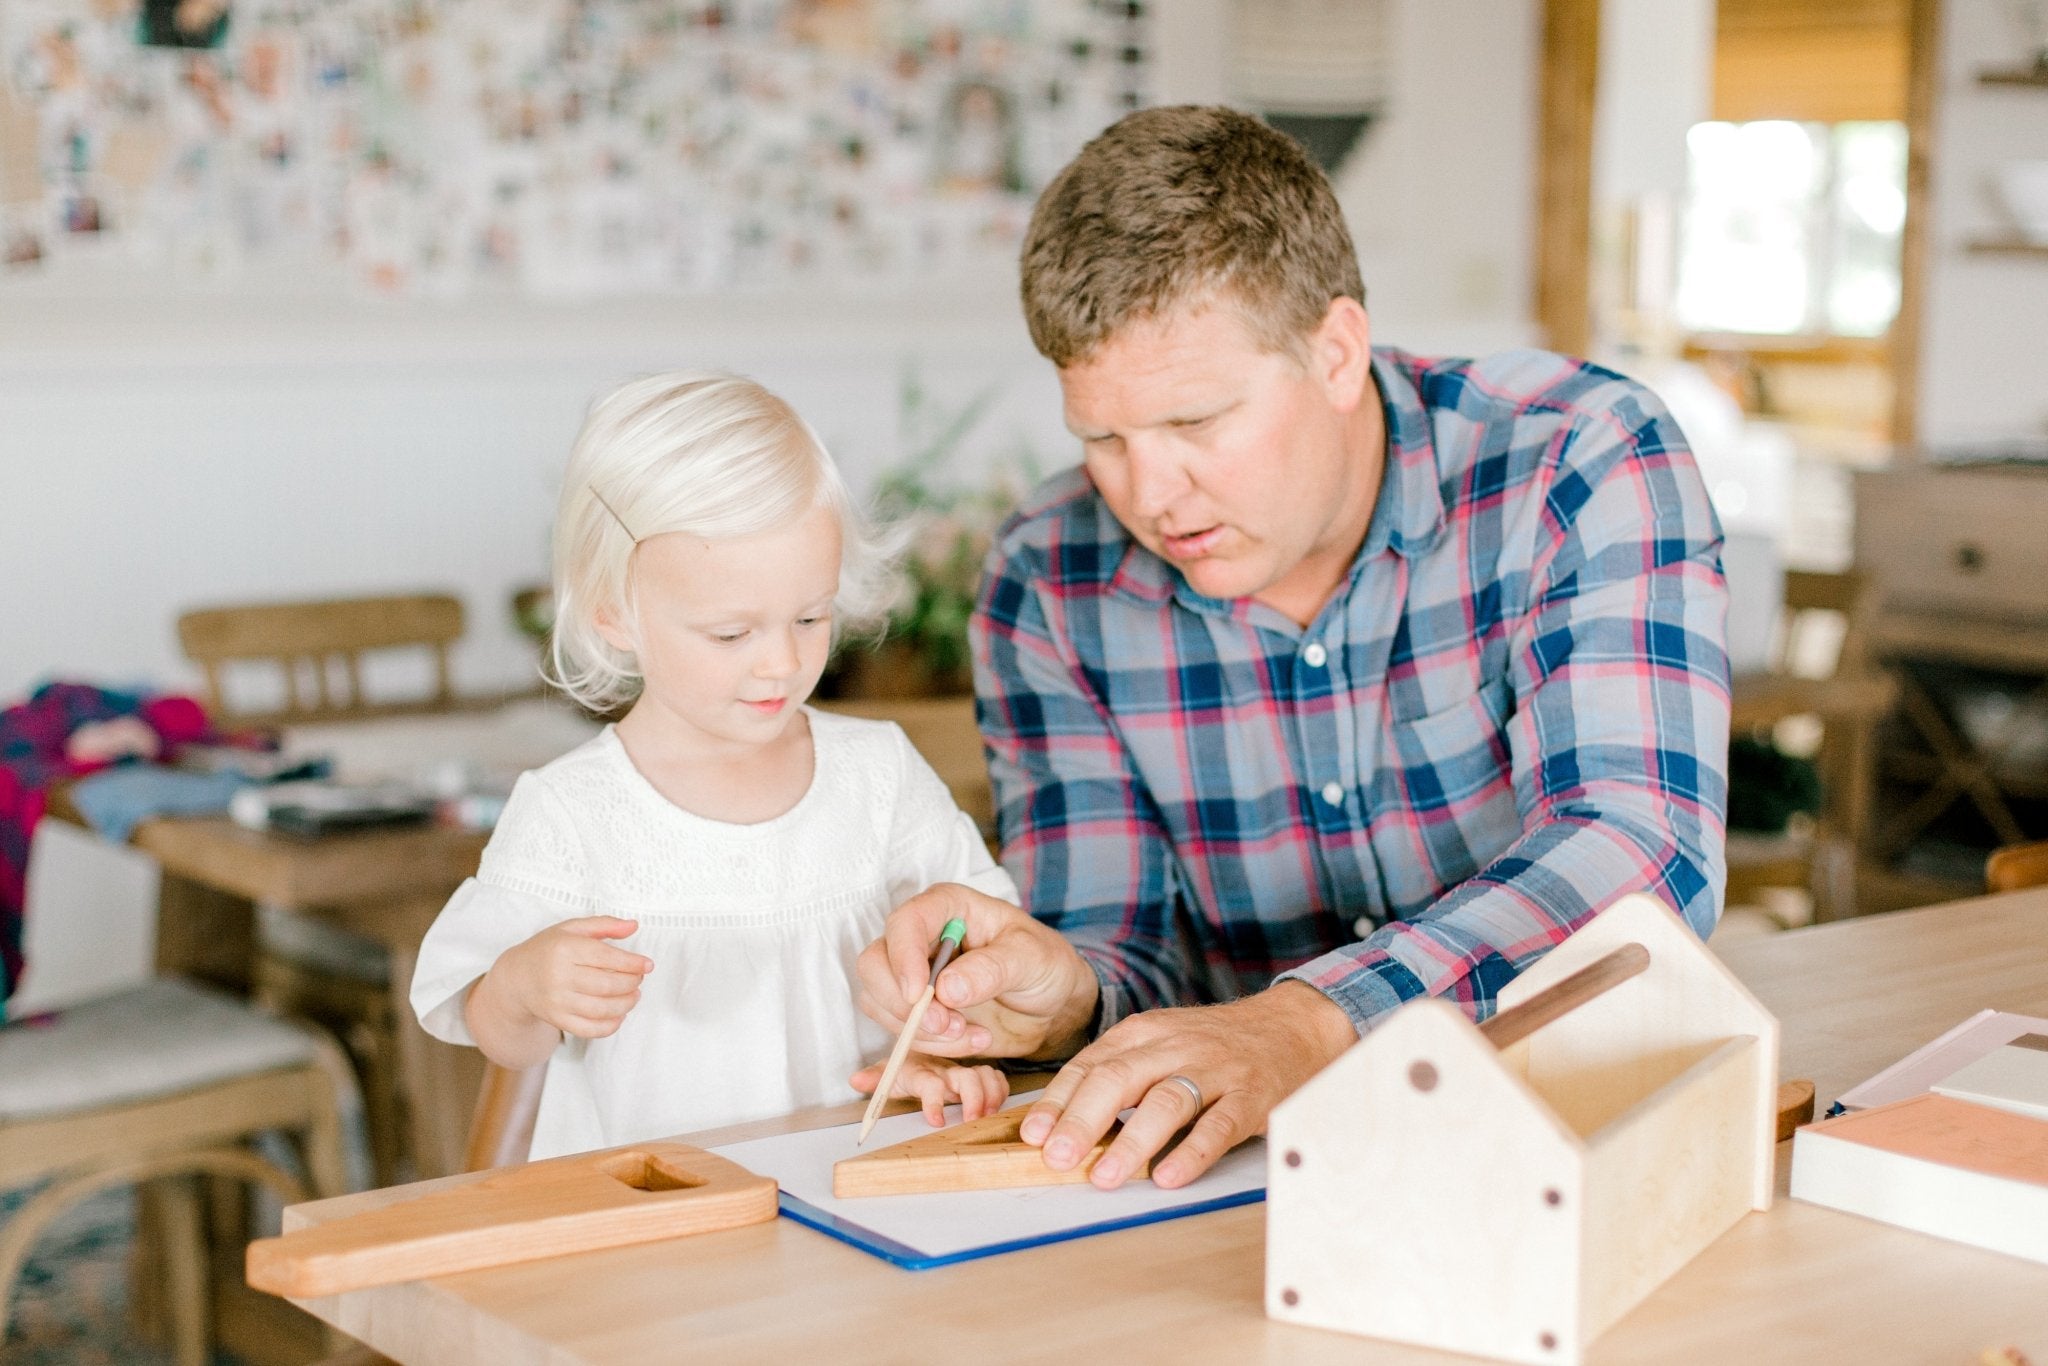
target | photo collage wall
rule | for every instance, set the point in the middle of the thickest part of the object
(552, 148)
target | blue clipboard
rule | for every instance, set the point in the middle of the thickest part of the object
(910, 1259)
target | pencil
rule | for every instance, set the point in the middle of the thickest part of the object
(949, 944)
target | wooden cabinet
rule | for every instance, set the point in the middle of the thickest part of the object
(1957, 557)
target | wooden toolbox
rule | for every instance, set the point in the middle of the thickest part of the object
(1511, 1192)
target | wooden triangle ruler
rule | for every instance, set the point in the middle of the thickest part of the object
(981, 1154)
(542, 1209)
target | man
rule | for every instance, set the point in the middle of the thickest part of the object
(1335, 677)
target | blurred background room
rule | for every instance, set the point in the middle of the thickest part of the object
(302, 302)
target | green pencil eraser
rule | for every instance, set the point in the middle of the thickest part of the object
(956, 930)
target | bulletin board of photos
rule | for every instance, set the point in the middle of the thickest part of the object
(563, 148)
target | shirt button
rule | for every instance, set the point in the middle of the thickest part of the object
(1362, 926)
(1315, 656)
(1333, 793)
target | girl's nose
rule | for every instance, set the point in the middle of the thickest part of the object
(779, 658)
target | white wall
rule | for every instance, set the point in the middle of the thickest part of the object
(1984, 343)
(1441, 192)
(1655, 82)
(156, 459)
(165, 446)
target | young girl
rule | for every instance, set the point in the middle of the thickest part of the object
(669, 915)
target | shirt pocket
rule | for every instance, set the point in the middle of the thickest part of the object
(1444, 797)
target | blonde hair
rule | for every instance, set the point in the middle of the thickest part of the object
(1176, 205)
(714, 455)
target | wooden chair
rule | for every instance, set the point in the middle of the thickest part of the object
(1849, 698)
(154, 1085)
(318, 649)
(315, 655)
(2017, 866)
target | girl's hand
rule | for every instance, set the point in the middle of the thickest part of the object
(569, 978)
(981, 1089)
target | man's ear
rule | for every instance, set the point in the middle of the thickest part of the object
(1340, 353)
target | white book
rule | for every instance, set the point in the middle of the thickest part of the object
(1936, 1165)
(1934, 1063)
(2013, 1077)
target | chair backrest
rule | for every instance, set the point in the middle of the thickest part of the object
(1804, 642)
(318, 648)
(90, 920)
(2017, 866)
(501, 1127)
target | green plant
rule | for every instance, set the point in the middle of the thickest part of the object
(952, 521)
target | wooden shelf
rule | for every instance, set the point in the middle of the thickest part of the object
(2015, 75)
(2006, 246)
(2018, 647)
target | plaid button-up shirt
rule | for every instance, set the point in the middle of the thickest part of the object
(1513, 710)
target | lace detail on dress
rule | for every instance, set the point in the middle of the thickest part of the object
(535, 847)
(589, 831)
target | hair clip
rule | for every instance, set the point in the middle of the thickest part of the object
(615, 515)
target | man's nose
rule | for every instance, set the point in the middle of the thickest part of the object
(1157, 479)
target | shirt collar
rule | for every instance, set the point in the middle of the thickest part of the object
(1407, 515)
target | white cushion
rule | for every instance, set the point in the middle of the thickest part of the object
(158, 1039)
(91, 926)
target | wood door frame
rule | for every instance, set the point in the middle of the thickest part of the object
(1568, 78)
(1923, 92)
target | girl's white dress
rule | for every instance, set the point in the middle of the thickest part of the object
(753, 929)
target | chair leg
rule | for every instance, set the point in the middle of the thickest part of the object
(29, 1222)
(185, 1268)
(373, 1047)
(1834, 878)
(326, 1161)
(149, 1315)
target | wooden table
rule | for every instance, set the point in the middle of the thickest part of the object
(385, 884)
(1797, 1284)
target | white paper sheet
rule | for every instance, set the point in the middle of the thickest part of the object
(1923, 1067)
(918, 1231)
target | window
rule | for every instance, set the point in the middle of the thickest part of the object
(1792, 229)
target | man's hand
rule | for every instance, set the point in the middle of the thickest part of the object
(1245, 1057)
(1016, 990)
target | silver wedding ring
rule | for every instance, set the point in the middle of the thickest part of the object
(1194, 1091)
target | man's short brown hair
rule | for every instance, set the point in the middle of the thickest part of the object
(1169, 206)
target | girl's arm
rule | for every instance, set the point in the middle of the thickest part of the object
(565, 980)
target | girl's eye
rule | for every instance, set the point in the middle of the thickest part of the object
(810, 621)
(729, 637)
